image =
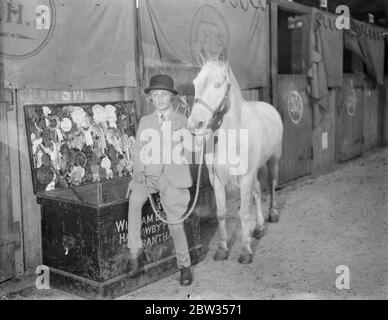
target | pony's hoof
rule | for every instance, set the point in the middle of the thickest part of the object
(274, 216)
(246, 258)
(258, 233)
(221, 255)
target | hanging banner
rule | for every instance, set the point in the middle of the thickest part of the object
(326, 54)
(61, 45)
(366, 41)
(175, 32)
(332, 48)
(326, 60)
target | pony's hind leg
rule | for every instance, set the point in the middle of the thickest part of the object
(273, 173)
(222, 252)
(246, 188)
(259, 230)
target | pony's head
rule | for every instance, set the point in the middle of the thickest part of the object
(212, 86)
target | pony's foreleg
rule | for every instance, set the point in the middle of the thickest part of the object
(246, 188)
(273, 173)
(259, 231)
(222, 252)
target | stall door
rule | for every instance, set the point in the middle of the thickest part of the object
(295, 109)
(349, 125)
(372, 115)
(9, 237)
(385, 114)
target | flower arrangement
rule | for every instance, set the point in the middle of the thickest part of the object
(84, 143)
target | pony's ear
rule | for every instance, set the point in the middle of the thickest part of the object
(161, 70)
(221, 57)
(227, 68)
(202, 57)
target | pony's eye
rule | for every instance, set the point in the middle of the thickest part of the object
(218, 85)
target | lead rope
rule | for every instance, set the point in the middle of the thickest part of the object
(191, 210)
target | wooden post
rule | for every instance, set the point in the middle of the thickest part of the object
(9, 231)
(274, 54)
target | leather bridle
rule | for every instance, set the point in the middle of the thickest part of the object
(212, 111)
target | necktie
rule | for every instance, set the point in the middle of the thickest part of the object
(162, 119)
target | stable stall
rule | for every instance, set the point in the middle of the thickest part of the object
(349, 119)
(290, 88)
(327, 84)
(306, 64)
(384, 129)
(367, 42)
(372, 115)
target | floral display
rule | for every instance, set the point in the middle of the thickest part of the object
(84, 143)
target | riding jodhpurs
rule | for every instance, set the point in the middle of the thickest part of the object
(174, 202)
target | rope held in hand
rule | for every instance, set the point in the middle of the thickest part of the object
(191, 210)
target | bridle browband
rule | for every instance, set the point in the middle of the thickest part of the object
(212, 111)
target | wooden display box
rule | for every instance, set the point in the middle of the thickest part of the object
(84, 226)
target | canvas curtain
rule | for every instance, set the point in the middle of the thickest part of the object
(366, 41)
(174, 32)
(52, 44)
(325, 60)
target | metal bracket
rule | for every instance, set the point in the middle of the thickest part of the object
(10, 101)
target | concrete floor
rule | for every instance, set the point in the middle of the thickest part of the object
(337, 219)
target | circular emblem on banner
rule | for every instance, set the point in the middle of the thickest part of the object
(295, 107)
(209, 32)
(351, 102)
(26, 27)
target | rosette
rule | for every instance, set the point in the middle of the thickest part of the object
(45, 175)
(46, 137)
(95, 173)
(98, 113)
(46, 111)
(99, 119)
(120, 169)
(77, 174)
(106, 164)
(35, 142)
(38, 159)
(78, 116)
(46, 161)
(126, 144)
(64, 148)
(66, 124)
(53, 123)
(80, 159)
(110, 115)
(51, 185)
